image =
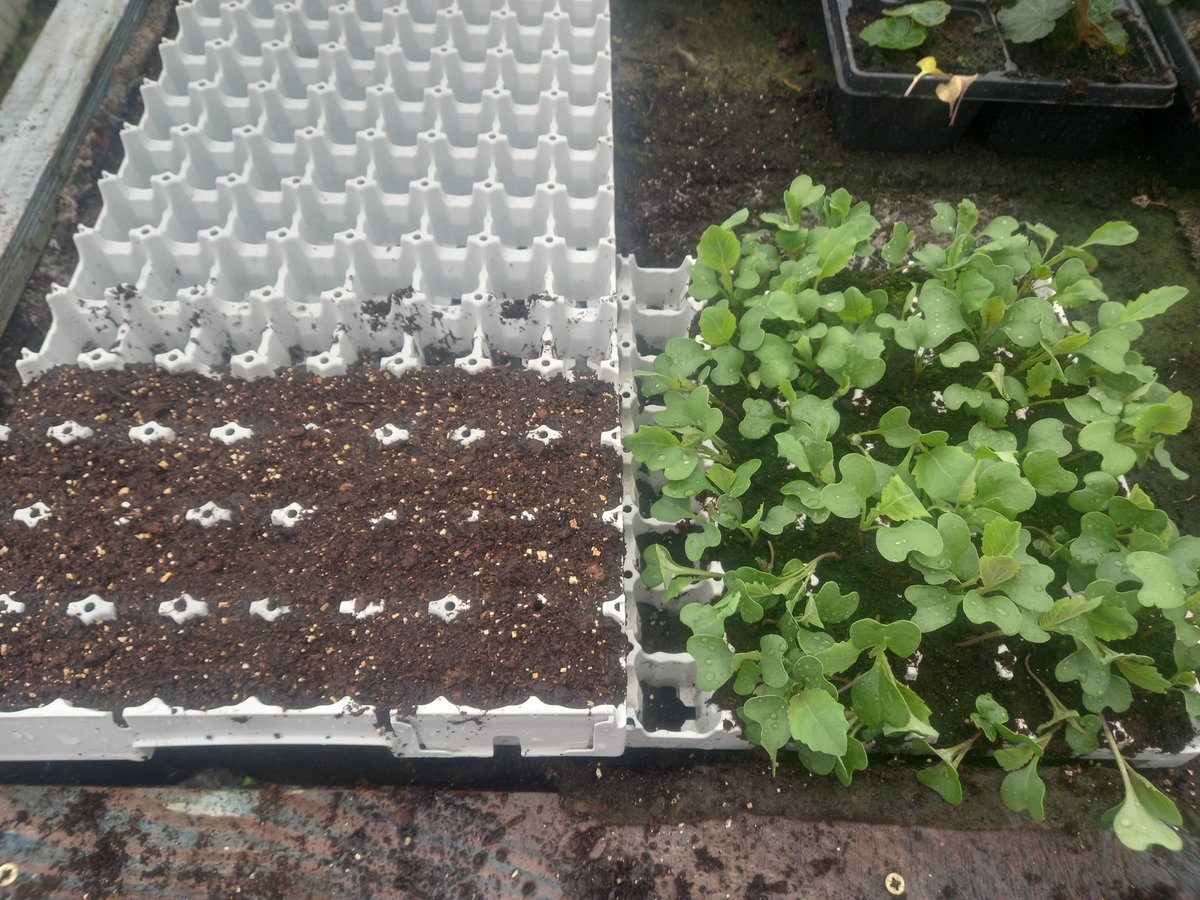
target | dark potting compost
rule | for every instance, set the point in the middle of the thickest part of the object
(510, 525)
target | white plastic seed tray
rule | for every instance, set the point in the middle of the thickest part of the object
(440, 728)
(367, 183)
(429, 159)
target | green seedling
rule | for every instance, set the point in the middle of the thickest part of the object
(1088, 22)
(905, 27)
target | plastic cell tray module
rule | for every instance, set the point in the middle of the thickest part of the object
(299, 160)
(343, 182)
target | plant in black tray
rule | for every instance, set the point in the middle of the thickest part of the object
(905, 27)
(1091, 22)
(897, 451)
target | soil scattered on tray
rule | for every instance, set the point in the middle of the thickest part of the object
(508, 524)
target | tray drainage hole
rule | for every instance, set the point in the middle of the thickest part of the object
(89, 607)
(479, 296)
(282, 232)
(180, 605)
(214, 232)
(628, 574)
(448, 608)
(625, 345)
(360, 182)
(627, 509)
(143, 231)
(310, 130)
(174, 356)
(195, 291)
(549, 239)
(487, 184)
(337, 295)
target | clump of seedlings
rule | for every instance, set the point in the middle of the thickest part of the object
(897, 456)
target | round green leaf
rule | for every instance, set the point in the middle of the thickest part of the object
(957, 355)
(996, 609)
(1098, 488)
(894, 427)
(1046, 474)
(1161, 585)
(895, 543)
(901, 638)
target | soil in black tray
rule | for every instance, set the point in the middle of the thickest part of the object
(962, 45)
(1061, 57)
(509, 525)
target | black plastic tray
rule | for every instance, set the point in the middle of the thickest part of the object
(1180, 149)
(1012, 112)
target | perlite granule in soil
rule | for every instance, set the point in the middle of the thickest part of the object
(388, 539)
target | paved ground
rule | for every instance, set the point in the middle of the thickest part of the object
(647, 826)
